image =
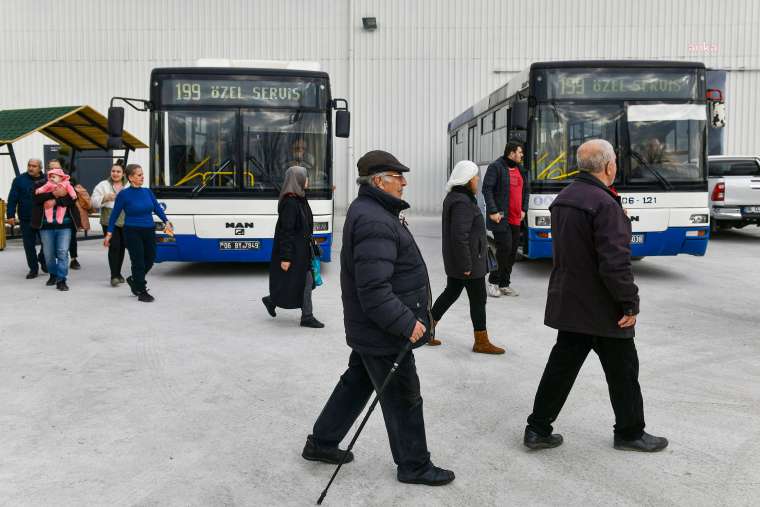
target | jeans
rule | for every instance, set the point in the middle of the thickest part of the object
(141, 245)
(620, 363)
(116, 250)
(401, 403)
(55, 244)
(476, 293)
(506, 251)
(29, 237)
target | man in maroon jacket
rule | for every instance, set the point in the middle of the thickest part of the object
(592, 302)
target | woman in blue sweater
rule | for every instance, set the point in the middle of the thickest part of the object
(138, 205)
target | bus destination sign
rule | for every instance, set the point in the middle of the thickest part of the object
(616, 84)
(247, 92)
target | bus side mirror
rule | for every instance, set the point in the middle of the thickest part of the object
(519, 115)
(717, 108)
(115, 127)
(342, 118)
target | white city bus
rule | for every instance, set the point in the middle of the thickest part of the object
(655, 115)
(221, 139)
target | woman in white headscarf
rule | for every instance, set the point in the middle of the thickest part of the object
(465, 253)
(290, 277)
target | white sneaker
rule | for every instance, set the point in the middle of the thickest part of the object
(493, 290)
(509, 291)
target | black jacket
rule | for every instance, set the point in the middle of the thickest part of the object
(464, 235)
(495, 191)
(292, 242)
(383, 279)
(591, 285)
(20, 196)
(39, 201)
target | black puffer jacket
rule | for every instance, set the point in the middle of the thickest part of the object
(464, 235)
(591, 285)
(292, 242)
(383, 278)
(38, 209)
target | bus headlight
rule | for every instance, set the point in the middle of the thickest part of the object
(544, 221)
(698, 219)
(320, 226)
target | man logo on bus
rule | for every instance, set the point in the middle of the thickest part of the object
(634, 218)
(239, 227)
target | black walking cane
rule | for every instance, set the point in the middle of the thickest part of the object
(399, 358)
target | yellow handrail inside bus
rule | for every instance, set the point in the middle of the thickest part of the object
(542, 174)
(566, 175)
(192, 174)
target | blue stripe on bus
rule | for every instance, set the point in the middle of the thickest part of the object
(191, 248)
(672, 241)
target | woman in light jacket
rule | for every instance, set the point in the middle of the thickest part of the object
(103, 198)
(290, 277)
(465, 253)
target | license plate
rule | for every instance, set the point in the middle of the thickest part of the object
(239, 245)
(637, 239)
(752, 209)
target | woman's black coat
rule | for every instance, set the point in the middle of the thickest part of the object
(464, 235)
(292, 242)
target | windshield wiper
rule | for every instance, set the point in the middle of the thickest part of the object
(200, 186)
(654, 171)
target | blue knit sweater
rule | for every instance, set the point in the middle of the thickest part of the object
(138, 205)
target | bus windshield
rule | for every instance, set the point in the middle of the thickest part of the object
(197, 149)
(664, 141)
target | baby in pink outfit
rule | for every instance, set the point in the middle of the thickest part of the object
(56, 177)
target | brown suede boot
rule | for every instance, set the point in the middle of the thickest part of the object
(483, 346)
(433, 342)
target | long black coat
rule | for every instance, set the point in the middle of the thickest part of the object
(464, 235)
(383, 279)
(591, 285)
(292, 242)
(495, 191)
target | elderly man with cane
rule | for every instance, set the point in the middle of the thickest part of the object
(386, 299)
(593, 303)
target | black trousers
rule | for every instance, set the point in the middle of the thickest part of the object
(141, 245)
(73, 247)
(476, 293)
(29, 237)
(621, 368)
(116, 250)
(506, 251)
(401, 403)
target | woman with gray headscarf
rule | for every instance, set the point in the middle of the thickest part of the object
(290, 277)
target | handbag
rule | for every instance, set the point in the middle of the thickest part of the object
(491, 263)
(316, 264)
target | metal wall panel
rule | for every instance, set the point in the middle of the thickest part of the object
(427, 61)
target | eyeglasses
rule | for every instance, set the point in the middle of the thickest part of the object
(394, 175)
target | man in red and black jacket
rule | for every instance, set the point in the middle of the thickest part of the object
(505, 193)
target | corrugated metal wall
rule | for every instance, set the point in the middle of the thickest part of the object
(428, 60)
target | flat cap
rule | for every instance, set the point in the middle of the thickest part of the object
(377, 161)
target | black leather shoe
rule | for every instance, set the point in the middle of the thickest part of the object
(131, 284)
(121, 279)
(310, 321)
(51, 281)
(533, 440)
(145, 297)
(75, 264)
(32, 274)
(435, 476)
(61, 285)
(646, 443)
(270, 306)
(313, 452)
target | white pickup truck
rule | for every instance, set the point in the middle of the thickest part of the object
(734, 187)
